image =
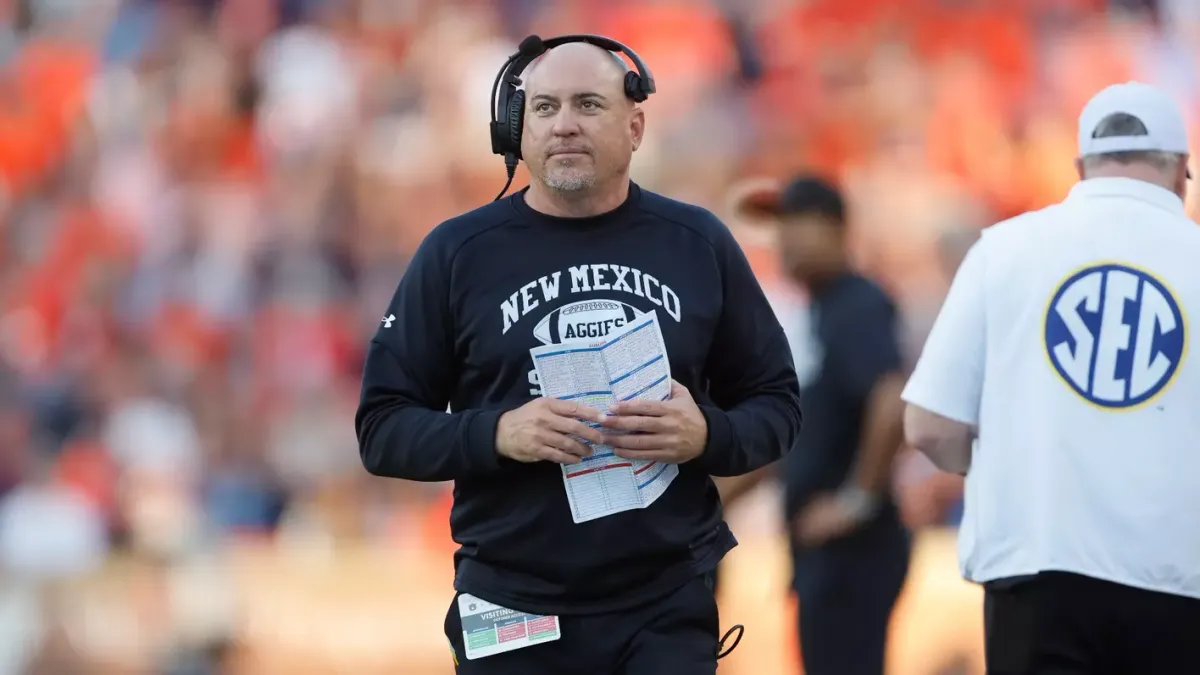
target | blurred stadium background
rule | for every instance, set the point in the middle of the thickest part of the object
(206, 204)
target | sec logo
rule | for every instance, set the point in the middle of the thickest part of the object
(1115, 335)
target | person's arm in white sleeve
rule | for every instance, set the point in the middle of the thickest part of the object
(943, 394)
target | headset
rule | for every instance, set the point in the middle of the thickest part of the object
(508, 102)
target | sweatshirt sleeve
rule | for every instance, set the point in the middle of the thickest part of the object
(755, 417)
(403, 427)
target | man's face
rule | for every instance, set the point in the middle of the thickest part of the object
(810, 246)
(580, 128)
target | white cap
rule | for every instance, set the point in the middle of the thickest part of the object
(1166, 131)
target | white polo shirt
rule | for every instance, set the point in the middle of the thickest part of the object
(1065, 341)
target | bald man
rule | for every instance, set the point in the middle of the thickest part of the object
(545, 583)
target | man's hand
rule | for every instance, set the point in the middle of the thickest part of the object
(925, 502)
(827, 517)
(672, 431)
(543, 428)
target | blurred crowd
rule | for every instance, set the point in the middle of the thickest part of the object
(206, 204)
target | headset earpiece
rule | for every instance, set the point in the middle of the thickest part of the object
(516, 121)
(633, 87)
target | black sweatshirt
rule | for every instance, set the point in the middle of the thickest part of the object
(484, 288)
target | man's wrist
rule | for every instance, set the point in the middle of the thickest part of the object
(718, 436)
(482, 440)
(860, 502)
(702, 441)
(498, 441)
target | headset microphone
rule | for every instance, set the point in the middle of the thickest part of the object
(532, 46)
(508, 101)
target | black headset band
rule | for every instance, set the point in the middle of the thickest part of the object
(508, 75)
(533, 47)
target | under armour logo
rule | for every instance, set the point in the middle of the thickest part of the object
(387, 320)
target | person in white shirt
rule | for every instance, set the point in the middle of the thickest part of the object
(1057, 379)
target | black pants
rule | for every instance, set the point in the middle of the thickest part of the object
(676, 635)
(1066, 624)
(846, 593)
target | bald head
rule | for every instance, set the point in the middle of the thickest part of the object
(581, 63)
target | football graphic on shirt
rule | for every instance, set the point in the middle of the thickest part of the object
(583, 321)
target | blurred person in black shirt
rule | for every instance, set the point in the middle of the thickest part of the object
(850, 548)
(632, 591)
